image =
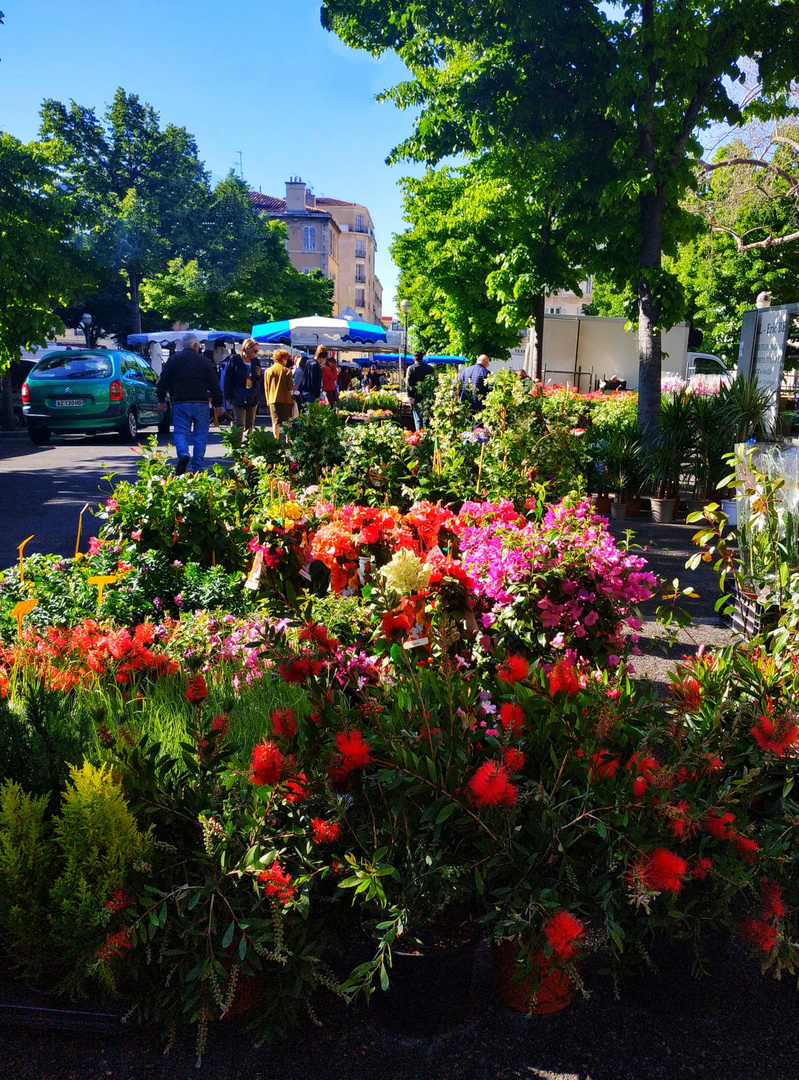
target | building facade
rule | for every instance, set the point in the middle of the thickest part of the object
(334, 236)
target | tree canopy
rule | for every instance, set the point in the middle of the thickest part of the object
(636, 81)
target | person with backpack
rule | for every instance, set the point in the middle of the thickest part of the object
(311, 384)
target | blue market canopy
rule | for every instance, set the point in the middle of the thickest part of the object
(178, 335)
(319, 330)
(389, 359)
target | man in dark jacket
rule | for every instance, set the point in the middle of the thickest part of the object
(190, 379)
(311, 384)
(418, 371)
(473, 383)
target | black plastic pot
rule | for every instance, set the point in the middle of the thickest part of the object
(428, 992)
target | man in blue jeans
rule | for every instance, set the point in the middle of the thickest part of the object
(190, 379)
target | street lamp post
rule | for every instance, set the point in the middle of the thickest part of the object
(86, 323)
(405, 307)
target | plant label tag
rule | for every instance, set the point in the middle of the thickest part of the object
(436, 552)
(414, 643)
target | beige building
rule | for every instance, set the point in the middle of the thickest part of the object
(565, 302)
(333, 236)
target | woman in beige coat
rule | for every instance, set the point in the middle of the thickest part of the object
(279, 390)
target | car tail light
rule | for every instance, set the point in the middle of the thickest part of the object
(115, 391)
(26, 394)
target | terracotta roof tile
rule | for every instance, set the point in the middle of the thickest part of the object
(272, 205)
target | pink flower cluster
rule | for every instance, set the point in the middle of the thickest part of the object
(567, 572)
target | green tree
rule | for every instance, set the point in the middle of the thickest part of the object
(638, 80)
(145, 188)
(39, 266)
(241, 275)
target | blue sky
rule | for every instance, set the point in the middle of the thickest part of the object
(260, 76)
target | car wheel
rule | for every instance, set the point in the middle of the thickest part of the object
(40, 436)
(130, 429)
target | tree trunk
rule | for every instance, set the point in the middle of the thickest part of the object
(649, 342)
(135, 310)
(6, 408)
(538, 331)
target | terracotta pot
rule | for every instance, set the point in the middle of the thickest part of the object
(548, 989)
(633, 508)
(602, 504)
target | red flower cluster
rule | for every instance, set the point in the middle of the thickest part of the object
(297, 671)
(662, 870)
(777, 737)
(771, 900)
(296, 791)
(721, 825)
(114, 945)
(277, 883)
(603, 764)
(197, 690)
(513, 758)
(266, 764)
(512, 670)
(759, 934)
(317, 635)
(565, 935)
(563, 676)
(283, 723)
(511, 716)
(324, 832)
(491, 786)
(352, 753)
(119, 901)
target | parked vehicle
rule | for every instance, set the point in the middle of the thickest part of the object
(89, 390)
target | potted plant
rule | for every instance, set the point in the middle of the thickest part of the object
(670, 447)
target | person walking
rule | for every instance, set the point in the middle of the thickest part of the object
(330, 381)
(473, 384)
(311, 383)
(190, 380)
(242, 376)
(279, 390)
(418, 371)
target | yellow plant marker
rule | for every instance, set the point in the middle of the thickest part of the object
(101, 580)
(22, 608)
(21, 564)
(78, 554)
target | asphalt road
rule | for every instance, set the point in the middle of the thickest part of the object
(44, 488)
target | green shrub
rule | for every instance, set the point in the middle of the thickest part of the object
(25, 873)
(41, 736)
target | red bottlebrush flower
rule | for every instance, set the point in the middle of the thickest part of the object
(700, 868)
(745, 847)
(277, 883)
(680, 824)
(663, 871)
(720, 824)
(565, 935)
(114, 945)
(511, 716)
(714, 764)
(197, 690)
(642, 765)
(759, 934)
(603, 765)
(266, 764)
(513, 669)
(639, 788)
(324, 832)
(295, 671)
(296, 791)
(688, 694)
(352, 752)
(563, 676)
(491, 786)
(119, 901)
(771, 900)
(283, 723)
(318, 635)
(513, 758)
(775, 737)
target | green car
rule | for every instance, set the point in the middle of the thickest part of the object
(89, 390)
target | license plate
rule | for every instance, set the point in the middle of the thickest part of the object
(68, 402)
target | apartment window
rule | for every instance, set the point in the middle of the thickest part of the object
(554, 311)
(360, 248)
(360, 273)
(359, 223)
(309, 238)
(360, 295)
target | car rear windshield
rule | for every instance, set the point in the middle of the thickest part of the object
(73, 366)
